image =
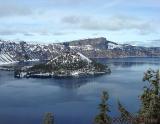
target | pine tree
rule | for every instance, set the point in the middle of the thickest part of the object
(48, 118)
(150, 99)
(103, 117)
(125, 116)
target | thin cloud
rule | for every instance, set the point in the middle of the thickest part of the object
(72, 19)
(115, 23)
(59, 33)
(72, 2)
(28, 34)
(7, 32)
(13, 10)
(10, 8)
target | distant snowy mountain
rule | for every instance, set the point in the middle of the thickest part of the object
(22, 51)
(91, 48)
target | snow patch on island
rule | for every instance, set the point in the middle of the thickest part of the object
(84, 57)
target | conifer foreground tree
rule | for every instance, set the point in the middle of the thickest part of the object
(48, 118)
(103, 117)
(125, 116)
(150, 99)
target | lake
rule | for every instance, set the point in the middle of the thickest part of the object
(73, 101)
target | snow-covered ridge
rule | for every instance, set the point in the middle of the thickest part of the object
(96, 47)
(27, 51)
(6, 58)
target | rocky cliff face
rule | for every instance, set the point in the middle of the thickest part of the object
(102, 48)
(98, 43)
(92, 48)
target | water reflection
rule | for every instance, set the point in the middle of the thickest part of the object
(74, 83)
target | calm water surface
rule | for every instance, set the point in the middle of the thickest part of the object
(73, 101)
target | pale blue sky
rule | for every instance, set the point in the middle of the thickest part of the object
(121, 21)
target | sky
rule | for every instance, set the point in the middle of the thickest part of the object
(124, 21)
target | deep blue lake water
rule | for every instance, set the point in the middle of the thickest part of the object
(73, 101)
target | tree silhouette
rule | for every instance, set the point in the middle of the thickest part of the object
(48, 118)
(150, 98)
(125, 116)
(103, 117)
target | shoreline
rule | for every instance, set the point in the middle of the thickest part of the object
(58, 76)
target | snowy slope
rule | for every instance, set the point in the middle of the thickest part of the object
(84, 57)
(113, 46)
(24, 51)
(6, 58)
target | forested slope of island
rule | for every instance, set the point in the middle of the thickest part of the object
(67, 64)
